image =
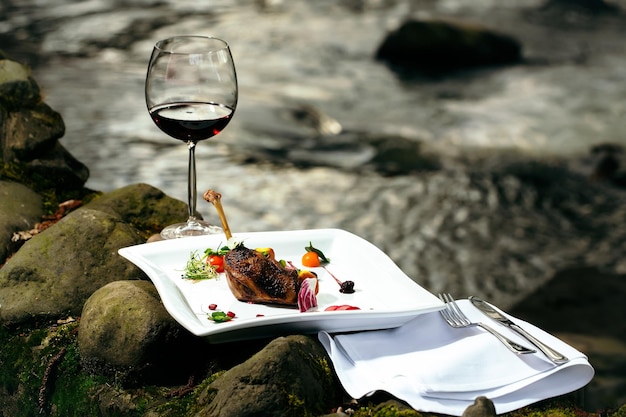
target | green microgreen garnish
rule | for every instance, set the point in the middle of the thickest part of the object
(323, 257)
(198, 269)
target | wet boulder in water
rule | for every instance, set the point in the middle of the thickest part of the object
(436, 46)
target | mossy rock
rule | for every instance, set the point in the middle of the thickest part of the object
(291, 376)
(55, 272)
(34, 131)
(145, 207)
(126, 332)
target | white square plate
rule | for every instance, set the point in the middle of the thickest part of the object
(386, 297)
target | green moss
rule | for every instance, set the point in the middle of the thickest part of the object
(13, 375)
(20, 368)
(72, 388)
(185, 405)
(388, 409)
(12, 171)
(620, 412)
(565, 406)
(177, 407)
(551, 412)
(327, 372)
(41, 375)
(42, 367)
(147, 229)
(40, 371)
(296, 407)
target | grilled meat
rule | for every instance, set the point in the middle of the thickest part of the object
(252, 277)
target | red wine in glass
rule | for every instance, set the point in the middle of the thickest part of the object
(191, 95)
(191, 121)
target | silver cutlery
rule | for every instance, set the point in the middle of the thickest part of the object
(453, 315)
(492, 313)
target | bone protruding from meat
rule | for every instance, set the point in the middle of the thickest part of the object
(214, 198)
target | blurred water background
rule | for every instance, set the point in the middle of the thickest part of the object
(90, 58)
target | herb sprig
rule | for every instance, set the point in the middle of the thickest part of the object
(323, 257)
(221, 251)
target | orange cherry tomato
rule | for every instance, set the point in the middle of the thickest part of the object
(217, 261)
(311, 259)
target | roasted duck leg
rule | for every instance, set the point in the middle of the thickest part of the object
(253, 277)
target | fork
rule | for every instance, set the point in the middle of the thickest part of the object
(453, 315)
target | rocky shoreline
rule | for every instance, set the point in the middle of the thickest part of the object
(534, 235)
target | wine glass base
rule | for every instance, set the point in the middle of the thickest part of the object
(190, 228)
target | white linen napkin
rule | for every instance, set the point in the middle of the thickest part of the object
(436, 368)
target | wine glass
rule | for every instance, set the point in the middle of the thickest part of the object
(191, 95)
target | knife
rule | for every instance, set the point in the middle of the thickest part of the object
(492, 313)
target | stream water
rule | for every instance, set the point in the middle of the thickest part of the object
(90, 58)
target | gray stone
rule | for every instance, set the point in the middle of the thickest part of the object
(55, 272)
(20, 209)
(120, 320)
(126, 331)
(32, 131)
(58, 169)
(436, 46)
(290, 376)
(17, 87)
(482, 407)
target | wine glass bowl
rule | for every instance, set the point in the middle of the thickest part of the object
(191, 94)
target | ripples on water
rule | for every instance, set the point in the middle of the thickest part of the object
(293, 52)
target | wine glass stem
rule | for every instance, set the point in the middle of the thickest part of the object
(191, 180)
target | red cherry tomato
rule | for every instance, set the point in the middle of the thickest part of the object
(217, 261)
(311, 259)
